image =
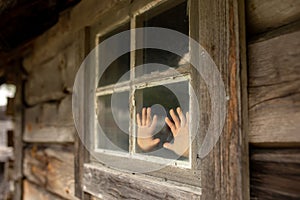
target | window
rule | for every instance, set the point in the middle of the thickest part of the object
(214, 25)
(137, 79)
(152, 85)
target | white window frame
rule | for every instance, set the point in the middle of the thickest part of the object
(155, 80)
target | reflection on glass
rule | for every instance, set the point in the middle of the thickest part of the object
(113, 117)
(161, 99)
(176, 19)
(119, 66)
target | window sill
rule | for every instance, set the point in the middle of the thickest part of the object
(106, 183)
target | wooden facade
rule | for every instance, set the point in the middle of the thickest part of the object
(255, 45)
(273, 89)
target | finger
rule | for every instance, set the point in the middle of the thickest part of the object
(144, 117)
(155, 141)
(187, 119)
(148, 116)
(175, 118)
(168, 145)
(171, 125)
(138, 119)
(181, 116)
(154, 122)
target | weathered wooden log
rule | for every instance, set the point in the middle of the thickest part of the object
(105, 183)
(52, 168)
(34, 192)
(275, 173)
(50, 122)
(274, 92)
(263, 16)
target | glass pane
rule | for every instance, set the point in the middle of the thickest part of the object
(118, 67)
(176, 19)
(113, 118)
(161, 99)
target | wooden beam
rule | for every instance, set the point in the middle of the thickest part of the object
(274, 99)
(31, 18)
(105, 183)
(18, 136)
(53, 79)
(81, 153)
(275, 173)
(51, 167)
(50, 122)
(7, 4)
(35, 192)
(224, 171)
(264, 16)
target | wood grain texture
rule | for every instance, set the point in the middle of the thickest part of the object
(264, 16)
(52, 79)
(50, 122)
(51, 168)
(95, 198)
(222, 33)
(18, 134)
(20, 18)
(274, 92)
(81, 153)
(34, 192)
(105, 183)
(275, 173)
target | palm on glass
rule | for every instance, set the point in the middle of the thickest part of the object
(146, 128)
(180, 131)
(179, 128)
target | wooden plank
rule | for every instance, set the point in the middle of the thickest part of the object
(95, 198)
(81, 157)
(50, 122)
(21, 19)
(279, 155)
(4, 5)
(58, 38)
(224, 171)
(52, 168)
(81, 153)
(51, 134)
(80, 18)
(45, 82)
(274, 99)
(275, 173)
(18, 135)
(66, 30)
(105, 183)
(34, 192)
(290, 28)
(264, 16)
(52, 79)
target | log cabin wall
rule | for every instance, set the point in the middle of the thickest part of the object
(49, 131)
(273, 32)
(274, 110)
(48, 157)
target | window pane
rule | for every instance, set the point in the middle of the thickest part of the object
(120, 66)
(176, 19)
(114, 123)
(161, 99)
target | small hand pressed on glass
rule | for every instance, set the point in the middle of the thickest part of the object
(146, 127)
(179, 128)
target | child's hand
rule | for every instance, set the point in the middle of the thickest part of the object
(146, 127)
(180, 131)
